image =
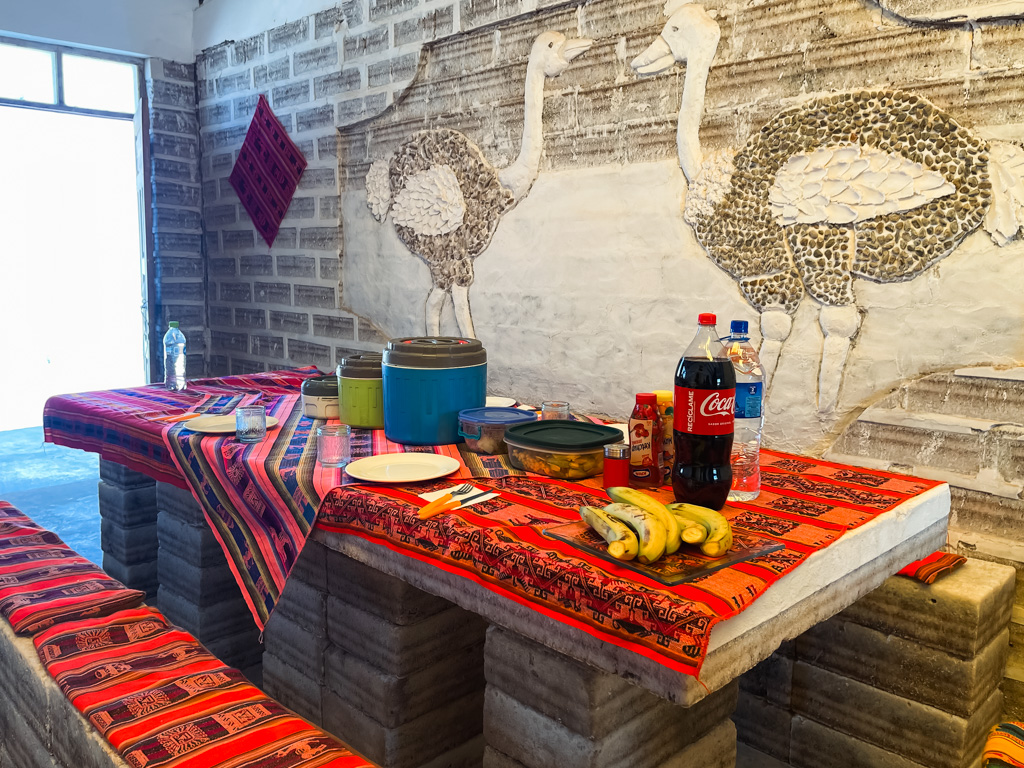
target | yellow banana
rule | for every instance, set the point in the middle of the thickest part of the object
(622, 542)
(719, 538)
(691, 532)
(625, 495)
(649, 530)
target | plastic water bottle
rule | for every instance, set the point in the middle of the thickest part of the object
(746, 445)
(174, 357)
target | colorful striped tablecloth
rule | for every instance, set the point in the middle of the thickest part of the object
(262, 500)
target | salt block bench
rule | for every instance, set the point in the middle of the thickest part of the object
(101, 685)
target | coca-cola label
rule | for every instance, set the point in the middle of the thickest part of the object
(704, 411)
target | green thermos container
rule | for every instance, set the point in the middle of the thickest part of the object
(361, 391)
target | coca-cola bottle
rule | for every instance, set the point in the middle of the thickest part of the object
(704, 399)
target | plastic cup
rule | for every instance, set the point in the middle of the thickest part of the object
(333, 447)
(554, 409)
(250, 423)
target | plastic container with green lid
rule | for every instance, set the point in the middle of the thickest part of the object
(361, 391)
(567, 450)
(484, 428)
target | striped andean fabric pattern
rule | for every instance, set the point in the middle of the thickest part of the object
(44, 582)
(1005, 746)
(163, 701)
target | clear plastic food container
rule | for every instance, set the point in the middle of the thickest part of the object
(566, 450)
(484, 428)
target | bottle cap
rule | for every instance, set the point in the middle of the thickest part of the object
(707, 318)
(616, 451)
(646, 398)
(172, 324)
(739, 326)
(663, 395)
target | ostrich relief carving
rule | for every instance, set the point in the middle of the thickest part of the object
(877, 184)
(445, 198)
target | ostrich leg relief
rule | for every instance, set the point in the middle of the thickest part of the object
(839, 324)
(775, 328)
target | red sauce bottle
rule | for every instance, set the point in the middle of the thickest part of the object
(645, 431)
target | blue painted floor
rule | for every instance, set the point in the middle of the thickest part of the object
(55, 486)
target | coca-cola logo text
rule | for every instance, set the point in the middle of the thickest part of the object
(716, 405)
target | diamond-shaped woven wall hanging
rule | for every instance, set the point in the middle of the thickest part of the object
(267, 171)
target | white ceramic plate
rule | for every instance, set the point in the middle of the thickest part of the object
(500, 402)
(402, 467)
(220, 425)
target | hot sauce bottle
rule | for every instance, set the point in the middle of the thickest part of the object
(645, 431)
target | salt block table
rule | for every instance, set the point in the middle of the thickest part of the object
(826, 583)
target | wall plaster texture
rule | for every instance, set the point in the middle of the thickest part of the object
(590, 287)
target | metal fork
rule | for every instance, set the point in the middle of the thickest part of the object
(464, 488)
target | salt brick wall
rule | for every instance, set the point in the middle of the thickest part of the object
(279, 306)
(176, 242)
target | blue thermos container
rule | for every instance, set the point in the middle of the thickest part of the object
(427, 381)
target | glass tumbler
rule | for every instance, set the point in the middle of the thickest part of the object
(554, 409)
(333, 448)
(250, 423)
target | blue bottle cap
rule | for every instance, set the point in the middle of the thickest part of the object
(738, 326)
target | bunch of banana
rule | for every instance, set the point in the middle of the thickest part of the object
(638, 526)
(718, 540)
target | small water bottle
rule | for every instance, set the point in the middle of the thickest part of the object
(174, 357)
(746, 444)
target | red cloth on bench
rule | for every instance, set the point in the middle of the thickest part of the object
(43, 581)
(163, 701)
(937, 564)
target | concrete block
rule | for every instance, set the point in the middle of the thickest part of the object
(292, 688)
(400, 699)
(202, 586)
(648, 740)
(20, 745)
(959, 613)
(194, 544)
(1013, 699)
(141, 576)
(716, 749)
(311, 565)
(910, 729)
(179, 503)
(411, 744)
(772, 679)
(301, 648)
(904, 667)
(377, 592)
(304, 604)
(227, 617)
(763, 725)
(401, 649)
(137, 544)
(241, 650)
(119, 475)
(495, 759)
(127, 506)
(818, 746)
(585, 700)
(469, 754)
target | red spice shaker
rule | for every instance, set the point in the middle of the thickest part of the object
(645, 443)
(616, 465)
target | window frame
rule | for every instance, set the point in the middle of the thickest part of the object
(58, 52)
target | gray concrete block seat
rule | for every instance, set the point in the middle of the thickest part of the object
(129, 687)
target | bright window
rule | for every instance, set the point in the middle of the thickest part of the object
(99, 84)
(27, 74)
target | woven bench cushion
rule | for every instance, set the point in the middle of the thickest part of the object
(14, 522)
(162, 700)
(44, 582)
